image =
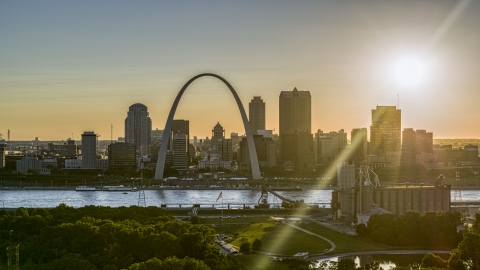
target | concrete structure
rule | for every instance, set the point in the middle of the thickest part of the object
(225, 149)
(266, 152)
(3, 146)
(73, 163)
(138, 127)
(417, 147)
(121, 155)
(385, 131)
(214, 162)
(256, 114)
(89, 149)
(296, 141)
(29, 163)
(218, 134)
(329, 145)
(359, 144)
(163, 148)
(180, 152)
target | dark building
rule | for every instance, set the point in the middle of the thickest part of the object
(256, 114)
(359, 144)
(266, 152)
(121, 155)
(296, 140)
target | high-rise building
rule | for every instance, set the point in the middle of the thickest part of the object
(296, 141)
(138, 127)
(180, 152)
(155, 141)
(266, 152)
(180, 126)
(359, 144)
(225, 149)
(3, 145)
(295, 112)
(121, 155)
(256, 114)
(414, 144)
(89, 149)
(385, 131)
(329, 145)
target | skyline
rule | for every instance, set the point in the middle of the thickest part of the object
(73, 67)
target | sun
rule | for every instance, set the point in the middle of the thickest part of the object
(409, 71)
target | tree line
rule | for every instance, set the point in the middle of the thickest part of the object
(96, 237)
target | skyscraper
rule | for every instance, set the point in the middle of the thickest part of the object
(296, 141)
(415, 143)
(385, 131)
(138, 127)
(89, 149)
(359, 144)
(295, 112)
(3, 145)
(329, 145)
(180, 152)
(256, 114)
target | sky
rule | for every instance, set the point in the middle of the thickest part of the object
(73, 66)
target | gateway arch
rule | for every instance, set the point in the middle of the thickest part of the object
(168, 127)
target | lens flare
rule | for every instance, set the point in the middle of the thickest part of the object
(409, 71)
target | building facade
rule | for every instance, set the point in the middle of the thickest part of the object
(138, 127)
(121, 155)
(266, 152)
(180, 152)
(89, 149)
(385, 131)
(256, 114)
(328, 146)
(3, 146)
(359, 144)
(296, 141)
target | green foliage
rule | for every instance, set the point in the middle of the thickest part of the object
(432, 260)
(434, 229)
(245, 248)
(195, 220)
(257, 245)
(108, 238)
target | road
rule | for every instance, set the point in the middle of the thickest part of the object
(378, 252)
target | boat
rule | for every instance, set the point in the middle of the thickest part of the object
(116, 188)
(85, 188)
(124, 192)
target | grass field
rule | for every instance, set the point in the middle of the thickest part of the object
(276, 238)
(345, 243)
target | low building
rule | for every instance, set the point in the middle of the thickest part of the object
(121, 155)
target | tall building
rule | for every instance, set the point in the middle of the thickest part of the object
(266, 152)
(121, 155)
(415, 144)
(256, 114)
(385, 131)
(359, 144)
(328, 146)
(225, 149)
(296, 141)
(89, 149)
(180, 152)
(138, 127)
(180, 126)
(155, 141)
(295, 112)
(3, 145)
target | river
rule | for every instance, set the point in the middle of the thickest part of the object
(172, 198)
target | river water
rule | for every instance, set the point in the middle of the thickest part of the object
(172, 198)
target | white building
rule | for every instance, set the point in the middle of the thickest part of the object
(29, 163)
(345, 176)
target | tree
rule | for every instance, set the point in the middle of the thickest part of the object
(432, 260)
(195, 220)
(245, 248)
(257, 245)
(361, 230)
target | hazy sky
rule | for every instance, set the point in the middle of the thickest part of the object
(71, 66)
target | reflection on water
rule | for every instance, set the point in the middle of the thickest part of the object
(173, 198)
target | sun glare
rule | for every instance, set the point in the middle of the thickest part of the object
(409, 71)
